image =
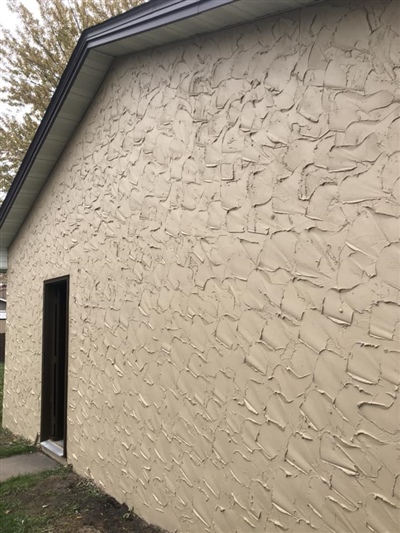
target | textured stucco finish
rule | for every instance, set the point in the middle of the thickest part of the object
(228, 215)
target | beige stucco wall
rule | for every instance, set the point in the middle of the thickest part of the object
(228, 214)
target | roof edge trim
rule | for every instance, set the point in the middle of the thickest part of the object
(145, 18)
(142, 18)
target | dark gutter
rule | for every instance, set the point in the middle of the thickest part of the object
(140, 19)
(170, 13)
(54, 107)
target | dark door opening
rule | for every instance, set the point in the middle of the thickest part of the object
(55, 365)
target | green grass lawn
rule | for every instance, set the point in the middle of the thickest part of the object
(57, 500)
(10, 444)
(1, 391)
(14, 515)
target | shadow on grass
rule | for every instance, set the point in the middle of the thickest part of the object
(60, 500)
(14, 517)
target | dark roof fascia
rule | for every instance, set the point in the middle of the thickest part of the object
(142, 18)
(167, 13)
(56, 102)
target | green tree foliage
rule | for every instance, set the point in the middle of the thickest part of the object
(32, 59)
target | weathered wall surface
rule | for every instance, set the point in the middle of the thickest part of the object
(228, 213)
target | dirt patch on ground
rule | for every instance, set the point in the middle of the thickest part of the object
(63, 502)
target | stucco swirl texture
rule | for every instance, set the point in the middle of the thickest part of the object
(228, 213)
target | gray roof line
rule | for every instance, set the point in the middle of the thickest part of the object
(93, 48)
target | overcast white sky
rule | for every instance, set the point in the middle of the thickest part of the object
(9, 21)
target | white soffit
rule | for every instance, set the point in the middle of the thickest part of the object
(153, 24)
(232, 13)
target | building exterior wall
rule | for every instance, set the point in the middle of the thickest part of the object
(3, 307)
(228, 215)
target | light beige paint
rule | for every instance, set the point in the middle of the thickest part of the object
(228, 214)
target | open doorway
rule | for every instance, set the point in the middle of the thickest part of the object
(53, 431)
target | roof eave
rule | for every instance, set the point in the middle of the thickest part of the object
(95, 52)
